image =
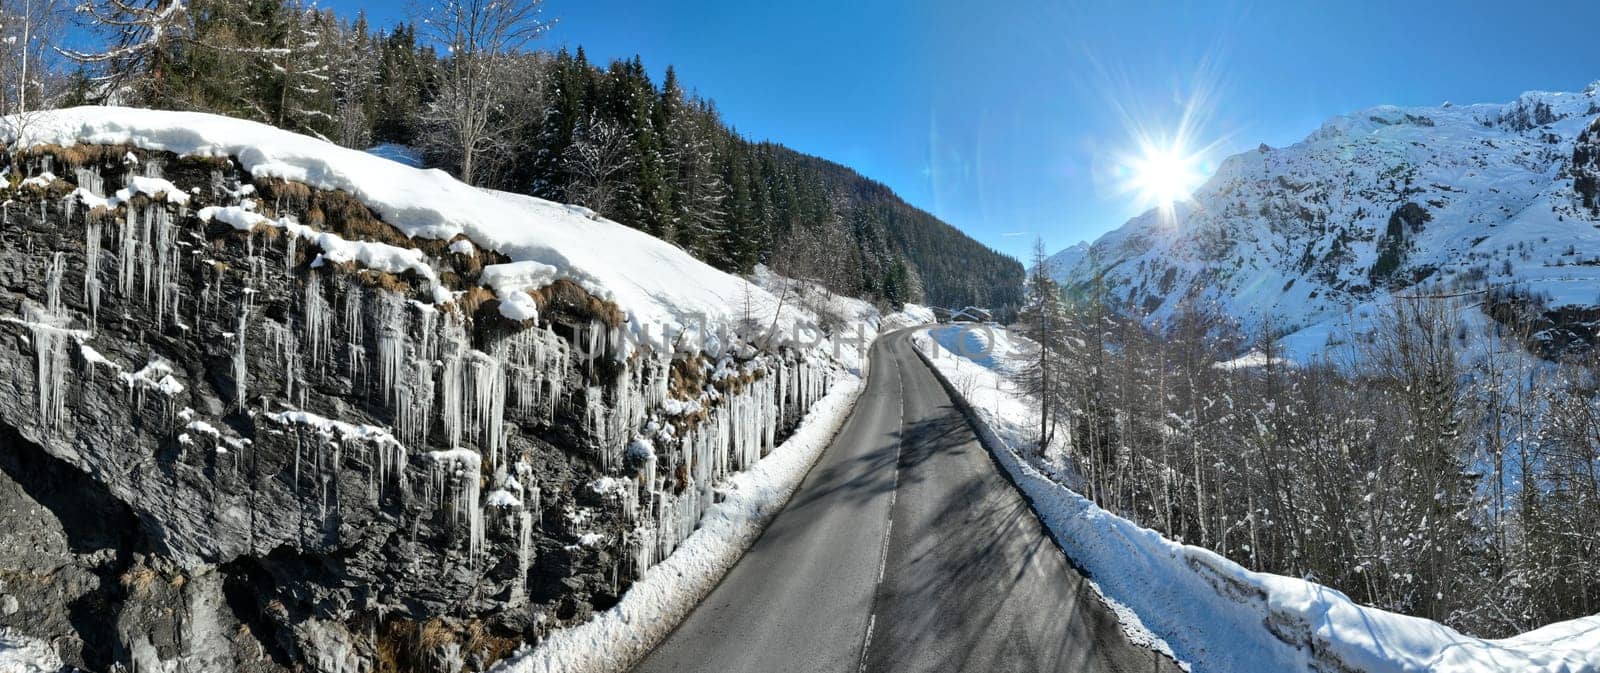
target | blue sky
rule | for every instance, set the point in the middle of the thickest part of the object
(1009, 119)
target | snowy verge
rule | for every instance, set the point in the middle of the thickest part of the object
(22, 654)
(1215, 614)
(617, 638)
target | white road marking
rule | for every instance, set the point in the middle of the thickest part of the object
(888, 529)
(871, 622)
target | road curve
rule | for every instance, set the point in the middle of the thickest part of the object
(903, 550)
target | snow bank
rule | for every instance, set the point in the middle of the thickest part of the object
(617, 638)
(911, 315)
(662, 289)
(1217, 615)
(22, 654)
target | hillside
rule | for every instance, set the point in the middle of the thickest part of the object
(1306, 240)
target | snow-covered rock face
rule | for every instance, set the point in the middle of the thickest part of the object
(290, 428)
(1387, 198)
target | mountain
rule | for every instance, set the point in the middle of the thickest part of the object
(1307, 240)
(1062, 263)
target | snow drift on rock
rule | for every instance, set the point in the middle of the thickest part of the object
(663, 290)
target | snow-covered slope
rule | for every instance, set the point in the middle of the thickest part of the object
(1372, 202)
(663, 290)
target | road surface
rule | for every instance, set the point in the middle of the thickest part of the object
(903, 550)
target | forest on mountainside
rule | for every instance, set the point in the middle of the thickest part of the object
(466, 86)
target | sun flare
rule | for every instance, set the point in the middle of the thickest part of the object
(1162, 176)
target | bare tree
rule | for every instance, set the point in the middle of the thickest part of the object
(479, 37)
(29, 29)
(598, 157)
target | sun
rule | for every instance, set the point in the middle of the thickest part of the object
(1164, 175)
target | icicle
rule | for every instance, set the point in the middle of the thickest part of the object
(452, 377)
(128, 241)
(314, 310)
(354, 332)
(46, 326)
(91, 267)
(53, 286)
(89, 179)
(456, 472)
(519, 586)
(240, 371)
(391, 344)
(166, 251)
(146, 248)
(486, 407)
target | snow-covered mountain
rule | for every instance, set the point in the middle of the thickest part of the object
(1310, 238)
(1063, 262)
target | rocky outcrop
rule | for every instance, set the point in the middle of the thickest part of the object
(250, 426)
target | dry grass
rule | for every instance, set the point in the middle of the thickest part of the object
(267, 232)
(487, 644)
(686, 377)
(386, 281)
(293, 194)
(474, 299)
(56, 189)
(138, 580)
(80, 154)
(570, 299)
(736, 384)
(407, 646)
(202, 163)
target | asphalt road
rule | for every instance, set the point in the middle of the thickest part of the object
(904, 549)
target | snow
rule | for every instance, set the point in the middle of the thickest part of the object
(157, 375)
(1252, 360)
(239, 217)
(155, 188)
(519, 306)
(1188, 599)
(502, 498)
(24, 654)
(331, 427)
(400, 154)
(663, 291)
(463, 247)
(336, 249)
(93, 357)
(618, 637)
(42, 180)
